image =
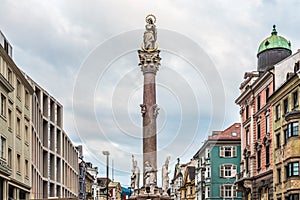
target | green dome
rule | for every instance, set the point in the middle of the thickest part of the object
(274, 41)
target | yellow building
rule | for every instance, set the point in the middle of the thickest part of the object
(115, 190)
(286, 140)
(15, 131)
(187, 190)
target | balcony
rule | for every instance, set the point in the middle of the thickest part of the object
(5, 168)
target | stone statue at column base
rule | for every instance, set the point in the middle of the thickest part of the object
(165, 177)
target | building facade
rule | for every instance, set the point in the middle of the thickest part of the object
(93, 172)
(285, 106)
(187, 190)
(115, 191)
(256, 177)
(15, 127)
(55, 158)
(176, 181)
(89, 182)
(218, 163)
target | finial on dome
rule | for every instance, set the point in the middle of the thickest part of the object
(274, 32)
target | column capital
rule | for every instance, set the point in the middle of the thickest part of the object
(149, 61)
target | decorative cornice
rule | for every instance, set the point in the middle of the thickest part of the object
(295, 114)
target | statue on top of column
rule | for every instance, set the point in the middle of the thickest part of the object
(150, 35)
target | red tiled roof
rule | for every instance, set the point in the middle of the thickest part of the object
(231, 133)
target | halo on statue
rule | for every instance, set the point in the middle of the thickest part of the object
(152, 17)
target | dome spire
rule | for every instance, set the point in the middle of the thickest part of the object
(274, 32)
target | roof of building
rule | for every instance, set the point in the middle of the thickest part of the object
(191, 172)
(101, 181)
(233, 132)
(274, 41)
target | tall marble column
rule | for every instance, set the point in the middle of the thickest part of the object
(149, 63)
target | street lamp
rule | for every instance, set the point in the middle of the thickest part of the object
(106, 153)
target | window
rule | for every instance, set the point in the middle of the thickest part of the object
(2, 147)
(207, 153)
(18, 129)
(228, 191)
(277, 112)
(267, 94)
(285, 106)
(292, 130)
(247, 111)
(247, 137)
(207, 192)
(278, 140)
(258, 102)
(267, 124)
(9, 76)
(26, 99)
(292, 169)
(26, 169)
(18, 163)
(9, 161)
(227, 170)
(191, 190)
(258, 130)
(286, 135)
(207, 172)
(3, 105)
(9, 119)
(247, 165)
(258, 160)
(228, 151)
(18, 89)
(293, 197)
(267, 155)
(279, 175)
(295, 99)
(26, 134)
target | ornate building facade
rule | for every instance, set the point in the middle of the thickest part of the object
(218, 163)
(286, 140)
(256, 177)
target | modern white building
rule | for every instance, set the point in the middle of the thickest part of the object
(55, 158)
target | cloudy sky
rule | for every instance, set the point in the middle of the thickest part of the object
(84, 54)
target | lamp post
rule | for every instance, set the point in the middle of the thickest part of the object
(106, 153)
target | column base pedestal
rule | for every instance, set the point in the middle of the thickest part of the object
(143, 195)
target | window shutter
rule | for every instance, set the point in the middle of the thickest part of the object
(234, 191)
(222, 171)
(222, 191)
(221, 151)
(233, 170)
(234, 151)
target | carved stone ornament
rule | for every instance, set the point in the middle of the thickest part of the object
(143, 109)
(149, 62)
(155, 110)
